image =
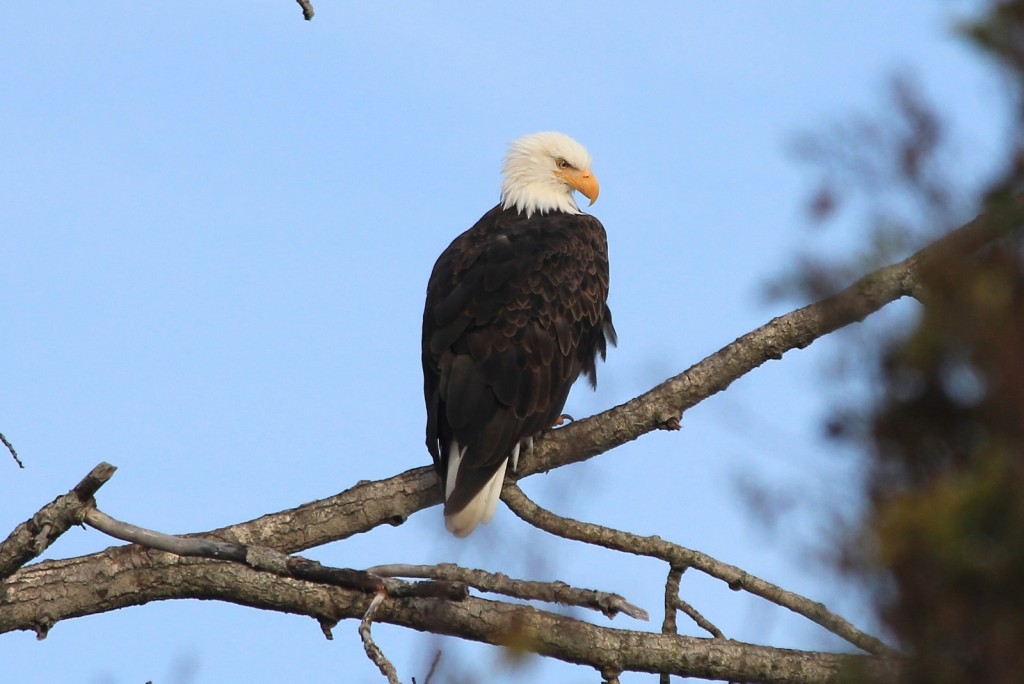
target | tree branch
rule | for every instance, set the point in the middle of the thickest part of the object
(701, 621)
(123, 576)
(663, 406)
(497, 583)
(679, 556)
(668, 624)
(269, 560)
(32, 537)
(80, 586)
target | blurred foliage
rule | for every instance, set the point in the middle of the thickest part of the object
(942, 537)
(946, 484)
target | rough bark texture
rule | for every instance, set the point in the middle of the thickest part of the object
(39, 596)
(32, 537)
(133, 576)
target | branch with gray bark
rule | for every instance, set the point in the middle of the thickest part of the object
(681, 557)
(38, 596)
(307, 9)
(81, 583)
(607, 603)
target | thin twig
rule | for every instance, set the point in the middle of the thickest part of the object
(701, 621)
(32, 537)
(433, 667)
(498, 583)
(674, 554)
(372, 650)
(179, 546)
(10, 447)
(271, 560)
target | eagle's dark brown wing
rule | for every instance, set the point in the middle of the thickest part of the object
(516, 309)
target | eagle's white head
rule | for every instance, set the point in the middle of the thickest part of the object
(541, 172)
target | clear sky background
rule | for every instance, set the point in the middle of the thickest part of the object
(216, 226)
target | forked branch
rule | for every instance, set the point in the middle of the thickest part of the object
(98, 583)
(497, 583)
(682, 557)
(32, 537)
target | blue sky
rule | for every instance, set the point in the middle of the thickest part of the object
(217, 224)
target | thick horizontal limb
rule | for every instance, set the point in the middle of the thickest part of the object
(391, 501)
(82, 585)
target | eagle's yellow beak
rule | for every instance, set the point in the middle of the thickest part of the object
(582, 180)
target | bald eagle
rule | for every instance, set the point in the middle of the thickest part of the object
(516, 309)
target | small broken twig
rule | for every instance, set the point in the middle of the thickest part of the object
(32, 537)
(10, 447)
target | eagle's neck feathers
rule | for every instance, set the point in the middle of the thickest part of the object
(537, 196)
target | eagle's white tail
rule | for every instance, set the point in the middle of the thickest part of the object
(481, 507)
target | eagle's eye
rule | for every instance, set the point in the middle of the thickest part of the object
(562, 164)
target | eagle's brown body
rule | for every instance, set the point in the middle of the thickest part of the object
(516, 309)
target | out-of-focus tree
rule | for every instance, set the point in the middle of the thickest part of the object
(941, 543)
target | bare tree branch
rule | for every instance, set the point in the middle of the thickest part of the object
(181, 546)
(674, 603)
(668, 624)
(32, 537)
(269, 560)
(663, 406)
(497, 583)
(391, 501)
(701, 621)
(124, 576)
(80, 587)
(675, 575)
(680, 556)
